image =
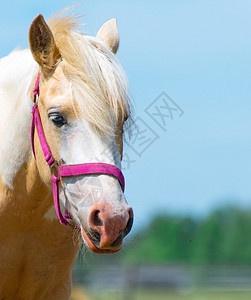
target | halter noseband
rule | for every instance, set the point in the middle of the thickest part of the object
(65, 170)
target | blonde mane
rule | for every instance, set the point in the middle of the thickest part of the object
(99, 83)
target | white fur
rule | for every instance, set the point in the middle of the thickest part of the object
(81, 144)
(17, 71)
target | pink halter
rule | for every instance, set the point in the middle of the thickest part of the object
(65, 170)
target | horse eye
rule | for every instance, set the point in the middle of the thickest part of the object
(57, 119)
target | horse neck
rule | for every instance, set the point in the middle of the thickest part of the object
(20, 183)
(15, 113)
(28, 195)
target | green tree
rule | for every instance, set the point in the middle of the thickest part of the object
(222, 238)
(166, 239)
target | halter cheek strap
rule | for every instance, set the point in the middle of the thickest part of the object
(65, 170)
(36, 122)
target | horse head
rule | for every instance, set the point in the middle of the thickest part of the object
(83, 105)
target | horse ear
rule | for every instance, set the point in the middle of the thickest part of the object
(109, 34)
(42, 45)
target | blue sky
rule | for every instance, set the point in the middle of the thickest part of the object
(198, 53)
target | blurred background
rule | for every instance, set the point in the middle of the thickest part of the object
(187, 161)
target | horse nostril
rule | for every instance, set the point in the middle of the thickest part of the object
(129, 223)
(95, 218)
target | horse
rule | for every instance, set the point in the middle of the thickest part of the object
(60, 181)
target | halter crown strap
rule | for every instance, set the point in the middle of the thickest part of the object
(36, 88)
(65, 170)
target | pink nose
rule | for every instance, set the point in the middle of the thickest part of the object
(109, 227)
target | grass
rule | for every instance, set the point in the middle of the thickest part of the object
(160, 294)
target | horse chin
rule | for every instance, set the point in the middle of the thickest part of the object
(94, 248)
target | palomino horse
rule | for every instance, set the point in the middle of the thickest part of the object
(71, 91)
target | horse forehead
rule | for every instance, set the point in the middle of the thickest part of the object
(57, 86)
(57, 92)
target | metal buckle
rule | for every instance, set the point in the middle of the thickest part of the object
(35, 99)
(54, 167)
(54, 171)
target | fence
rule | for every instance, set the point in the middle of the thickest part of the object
(179, 277)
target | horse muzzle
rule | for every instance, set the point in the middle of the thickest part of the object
(106, 228)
